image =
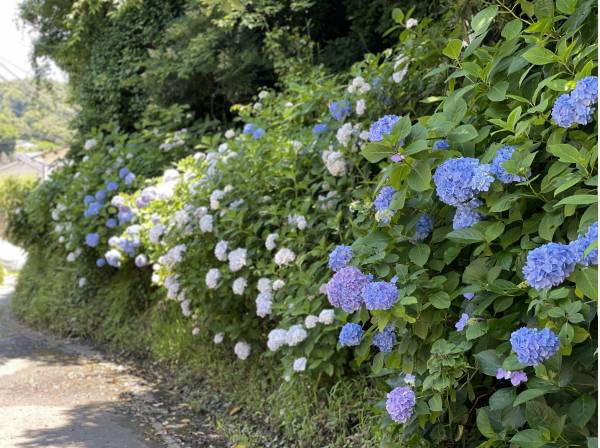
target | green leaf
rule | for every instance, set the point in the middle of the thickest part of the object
(375, 152)
(544, 8)
(468, 234)
(435, 403)
(578, 199)
(565, 153)
(539, 56)
(463, 134)
(419, 178)
(452, 49)
(488, 362)
(440, 300)
(484, 425)
(476, 330)
(512, 29)
(498, 91)
(566, 6)
(494, 231)
(539, 414)
(481, 21)
(397, 15)
(586, 280)
(419, 254)
(502, 398)
(548, 225)
(529, 438)
(582, 410)
(529, 394)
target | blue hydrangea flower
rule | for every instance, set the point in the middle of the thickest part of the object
(340, 257)
(583, 98)
(518, 377)
(380, 295)
(563, 112)
(141, 260)
(534, 346)
(92, 239)
(549, 265)
(385, 340)
(466, 215)
(351, 335)
(441, 144)
(112, 186)
(382, 127)
(100, 262)
(88, 199)
(258, 133)
(111, 223)
(409, 378)
(340, 109)
(344, 290)
(129, 178)
(460, 180)
(462, 322)
(384, 198)
(580, 245)
(123, 172)
(319, 128)
(93, 209)
(400, 404)
(504, 154)
(100, 195)
(469, 295)
(423, 227)
(248, 129)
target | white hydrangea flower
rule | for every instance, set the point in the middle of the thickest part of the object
(263, 94)
(334, 162)
(155, 233)
(182, 218)
(364, 135)
(359, 85)
(218, 338)
(215, 198)
(271, 241)
(257, 106)
(242, 350)
(278, 284)
(221, 250)
(185, 308)
(323, 288)
(344, 134)
(311, 321)
(229, 134)
(264, 304)
(206, 223)
(71, 257)
(173, 256)
(277, 339)
(411, 23)
(195, 331)
(284, 256)
(263, 285)
(327, 316)
(399, 75)
(237, 259)
(90, 144)
(82, 282)
(239, 284)
(212, 277)
(299, 364)
(85, 158)
(297, 221)
(361, 107)
(295, 335)
(228, 188)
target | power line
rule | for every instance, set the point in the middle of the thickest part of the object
(18, 67)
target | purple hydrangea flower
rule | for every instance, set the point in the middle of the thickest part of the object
(382, 127)
(469, 295)
(319, 128)
(92, 239)
(385, 340)
(518, 377)
(502, 374)
(380, 295)
(400, 404)
(460, 180)
(441, 144)
(549, 265)
(534, 346)
(504, 154)
(384, 198)
(340, 257)
(351, 335)
(423, 227)
(345, 288)
(466, 215)
(462, 322)
(397, 158)
(580, 245)
(340, 109)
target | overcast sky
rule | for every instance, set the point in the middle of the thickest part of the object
(15, 45)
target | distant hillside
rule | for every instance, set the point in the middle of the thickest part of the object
(32, 114)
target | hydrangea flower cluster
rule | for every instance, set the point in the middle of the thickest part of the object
(459, 180)
(462, 322)
(580, 245)
(92, 239)
(577, 107)
(516, 377)
(441, 144)
(466, 215)
(382, 127)
(504, 154)
(385, 340)
(334, 162)
(351, 335)
(284, 257)
(344, 290)
(549, 265)
(423, 227)
(400, 404)
(339, 110)
(534, 346)
(242, 350)
(340, 257)
(380, 295)
(319, 129)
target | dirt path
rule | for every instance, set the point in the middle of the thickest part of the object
(63, 395)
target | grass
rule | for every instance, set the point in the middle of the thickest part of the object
(249, 403)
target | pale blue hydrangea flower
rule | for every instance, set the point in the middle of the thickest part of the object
(441, 144)
(580, 245)
(382, 127)
(92, 239)
(469, 295)
(340, 257)
(141, 260)
(462, 322)
(380, 295)
(549, 265)
(504, 154)
(423, 227)
(112, 186)
(88, 199)
(466, 215)
(533, 346)
(400, 404)
(248, 129)
(100, 195)
(258, 133)
(111, 223)
(586, 91)
(100, 262)
(123, 172)
(345, 288)
(113, 258)
(578, 106)
(351, 335)
(384, 198)
(563, 112)
(319, 128)
(385, 340)
(460, 180)
(340, 109)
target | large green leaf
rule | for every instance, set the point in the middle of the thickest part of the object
(586, 280)
(539, 56)
(375, 152)
(482, 20)
(582, 410)
(529, 394)
(528, 438)
(489, 363)
(419, 178)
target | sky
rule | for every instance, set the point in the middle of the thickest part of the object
(15, 45)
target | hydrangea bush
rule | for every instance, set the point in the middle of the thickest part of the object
(429, 221)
